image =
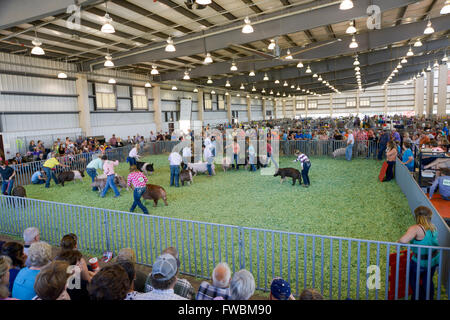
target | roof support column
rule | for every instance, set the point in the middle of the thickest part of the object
(442, 90)
(228, 102)
(430, 93)
(418, 96)
(249, 108)
(264, 109)
(200, 106)
(156, 91)
(83, 104)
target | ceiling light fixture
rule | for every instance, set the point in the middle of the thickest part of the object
(247, 28)
(308, 70)
(271, 44)
(148, 85)
(62, 75)
(203, 2)
(107, 27)
(351, 28)
(195, 90)
(242, 86)
(112, 81)
(353, 44)
(346, 5)
(429, 29)
(410, 53)
(404, 60)
(209, 81)
(154, 70)
(233, 67)
(174, 88)
(170, 47)
(108, 61)
(208, 59)
(418, 43)
(266, 77)
(37, 50)
(252, 73)
(227, 84)
(289, 56)
(285, 84)
(300, 65)
(186, 76)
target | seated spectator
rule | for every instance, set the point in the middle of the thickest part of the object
(38, 177)
(221, 277)
(14, 251)
(242, 285)
(51, 282)
(30, 236)
(127, 254)
(182, 287)
(39, 255)
(280, 290)
(130, 269)
(5, 265)
(310, 294)
(443, 183)
(110, 283)
(163, 279)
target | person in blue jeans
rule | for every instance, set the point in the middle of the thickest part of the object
(139, 182)
(382, 144)
(422, 233)
(350, 143)
(175, 160)
(306, 164)
(93, 166)
(38, 178)
(208, 156)
(8, 175)
(108, 169)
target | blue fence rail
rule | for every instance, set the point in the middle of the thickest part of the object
(337, 266)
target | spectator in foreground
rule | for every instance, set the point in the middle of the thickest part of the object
(39, 255)
(422, 233)
(5, 265)
(182, 287)
(14, 251)
(30, 236)
(219, 288)
(127, 254)
(51, 282)
(408, 157)
(310, 294)
(280, 290)
(163, 279)
(242, 285)
(110, 283)
(130, 269)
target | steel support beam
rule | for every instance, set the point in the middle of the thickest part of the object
(288, 20)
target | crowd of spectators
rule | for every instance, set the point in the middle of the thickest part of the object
(41, 275)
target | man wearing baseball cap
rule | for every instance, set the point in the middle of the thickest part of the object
(280, 290)
(163, 279)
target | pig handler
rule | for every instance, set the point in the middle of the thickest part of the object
(139, 182)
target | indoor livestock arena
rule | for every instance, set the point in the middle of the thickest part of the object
(224, 150)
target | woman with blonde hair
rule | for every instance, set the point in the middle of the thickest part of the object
(422, 233)
(5, 265)
(133, 156)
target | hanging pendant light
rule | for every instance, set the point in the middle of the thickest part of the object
(208, 59)
(252, 73)
(62, 75)
(253, 89)
(227, 84)
(271, 44)
(445, 58)
(399, 66)
(213, 92)
(195, 90)
(148, 85)
(404, 60)
(410, 53)
(112, 81)
(263, 90)
(209, 81)
(429, 29)
(277, 81)
(108, 61)
(285, 84)
(107, 27)
(37, 50)
(308, 69)
(233, 67)
(346, 5)
(242, 87)
(353, 44)
(227, 94)
(315, 75)
(446, 8)
(436, 64)
(247, 28)
(418, 43)
(289, 56)
(357, 68)
(351, 28)
(300, 65)
(266, 77)
(319, 79)
(298, 88)
(170, 47)
(292, 86)
(154, 70)
(174, 88)
(356, 62)
(271, 92)
(203, 2)
(186, 76)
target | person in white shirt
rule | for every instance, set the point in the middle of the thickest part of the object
(187, 155)
(208, 156)
(175, 162)
(163, 279)
(133, 156)
(350, 143)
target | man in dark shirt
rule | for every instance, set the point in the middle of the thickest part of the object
(8, 175)
(384, 139)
